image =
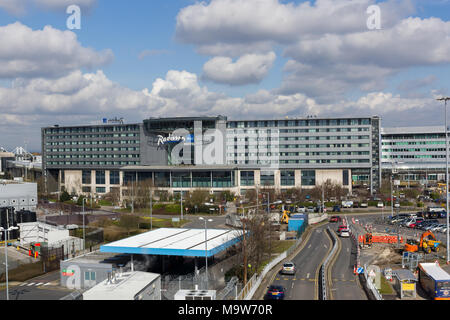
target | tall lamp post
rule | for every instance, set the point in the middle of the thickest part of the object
(6, 256)
(445, 99)
(84, 231)
(206, 248)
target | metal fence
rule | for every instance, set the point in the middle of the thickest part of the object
(252, 285)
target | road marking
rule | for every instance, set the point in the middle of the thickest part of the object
(39, 284)
(348, 249)
(307, 276)
(292, 285)
(325, 246)
(23, 284)
(47, 284)
(31, 284)
(309, 246)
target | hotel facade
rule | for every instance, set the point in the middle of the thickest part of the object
(214, 153)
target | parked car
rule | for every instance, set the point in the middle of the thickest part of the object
(288, 268)
(436, 228)
(275, 293)
(336, 208)
(310, 210)
(301, 209)
(335, 219)
(380, 205)
(364, 205)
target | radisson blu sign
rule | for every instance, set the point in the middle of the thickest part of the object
(174, 139)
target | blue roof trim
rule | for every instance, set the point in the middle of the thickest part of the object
(170, 252)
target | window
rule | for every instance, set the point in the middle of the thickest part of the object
(101, 190)
(345, 177)
(100, 177)
(287, 178)
(86, 177)
(89, 276)
(114, 177)
(308, 178)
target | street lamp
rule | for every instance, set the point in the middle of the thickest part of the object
(445, 99)
(84, 232)
(206, 248)
(6, 256)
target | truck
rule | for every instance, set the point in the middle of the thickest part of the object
(426, 243)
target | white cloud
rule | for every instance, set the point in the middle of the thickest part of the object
(44, 53)
(227, 23)
(20, 7)
(250, 68)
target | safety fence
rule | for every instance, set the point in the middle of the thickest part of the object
(323, 280)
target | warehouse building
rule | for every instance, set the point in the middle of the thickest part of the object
(180, 154)
(19, 195)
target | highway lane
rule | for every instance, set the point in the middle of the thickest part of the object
(345, 284)
(304, 285)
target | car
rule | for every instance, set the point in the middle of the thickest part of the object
(341, 227)
(380, 205)
(430, 226)
(288, 268)
(397, 205)
(336, 208)
(364, 205)
(335, 219)
(345, 233)
(310, 210)
(301, 209)
(437, 227)
(275, 292)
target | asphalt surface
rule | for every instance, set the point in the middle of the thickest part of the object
(304, 284)
(45, 287)
(345, 285)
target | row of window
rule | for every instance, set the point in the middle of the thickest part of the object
(415, 136)
(92, 156)
(92, 149)
(92, 163)
(311, 161)
(93, 136)
(294, 154)
(74, 143)
(120, 128)
(247, 139)
(414, 157)
(412, 143)
(331, 145)
(298, 123)
(415, 150)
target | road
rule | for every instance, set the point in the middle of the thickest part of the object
(304, 285)
(45, 287)
(345, 285)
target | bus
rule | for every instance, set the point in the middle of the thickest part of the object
(435, 281)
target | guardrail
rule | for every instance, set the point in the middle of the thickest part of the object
(371, 286)
(324, 269)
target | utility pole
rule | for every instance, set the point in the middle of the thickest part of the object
(151, 210)
(445, 99)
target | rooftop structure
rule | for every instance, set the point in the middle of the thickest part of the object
(176, 242)
(127, 286)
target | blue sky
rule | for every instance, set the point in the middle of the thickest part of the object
(232, 67)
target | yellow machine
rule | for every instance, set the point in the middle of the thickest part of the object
(285, 217)
(425, 243)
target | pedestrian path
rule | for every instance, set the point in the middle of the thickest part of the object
(37, 284)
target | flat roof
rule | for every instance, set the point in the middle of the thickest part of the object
(176, 242)
(93, 257)
(123, 287)
(435, 271)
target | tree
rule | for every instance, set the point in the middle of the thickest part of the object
(129, 222)
(65, 196)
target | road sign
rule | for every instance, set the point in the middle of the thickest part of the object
(360, 270)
